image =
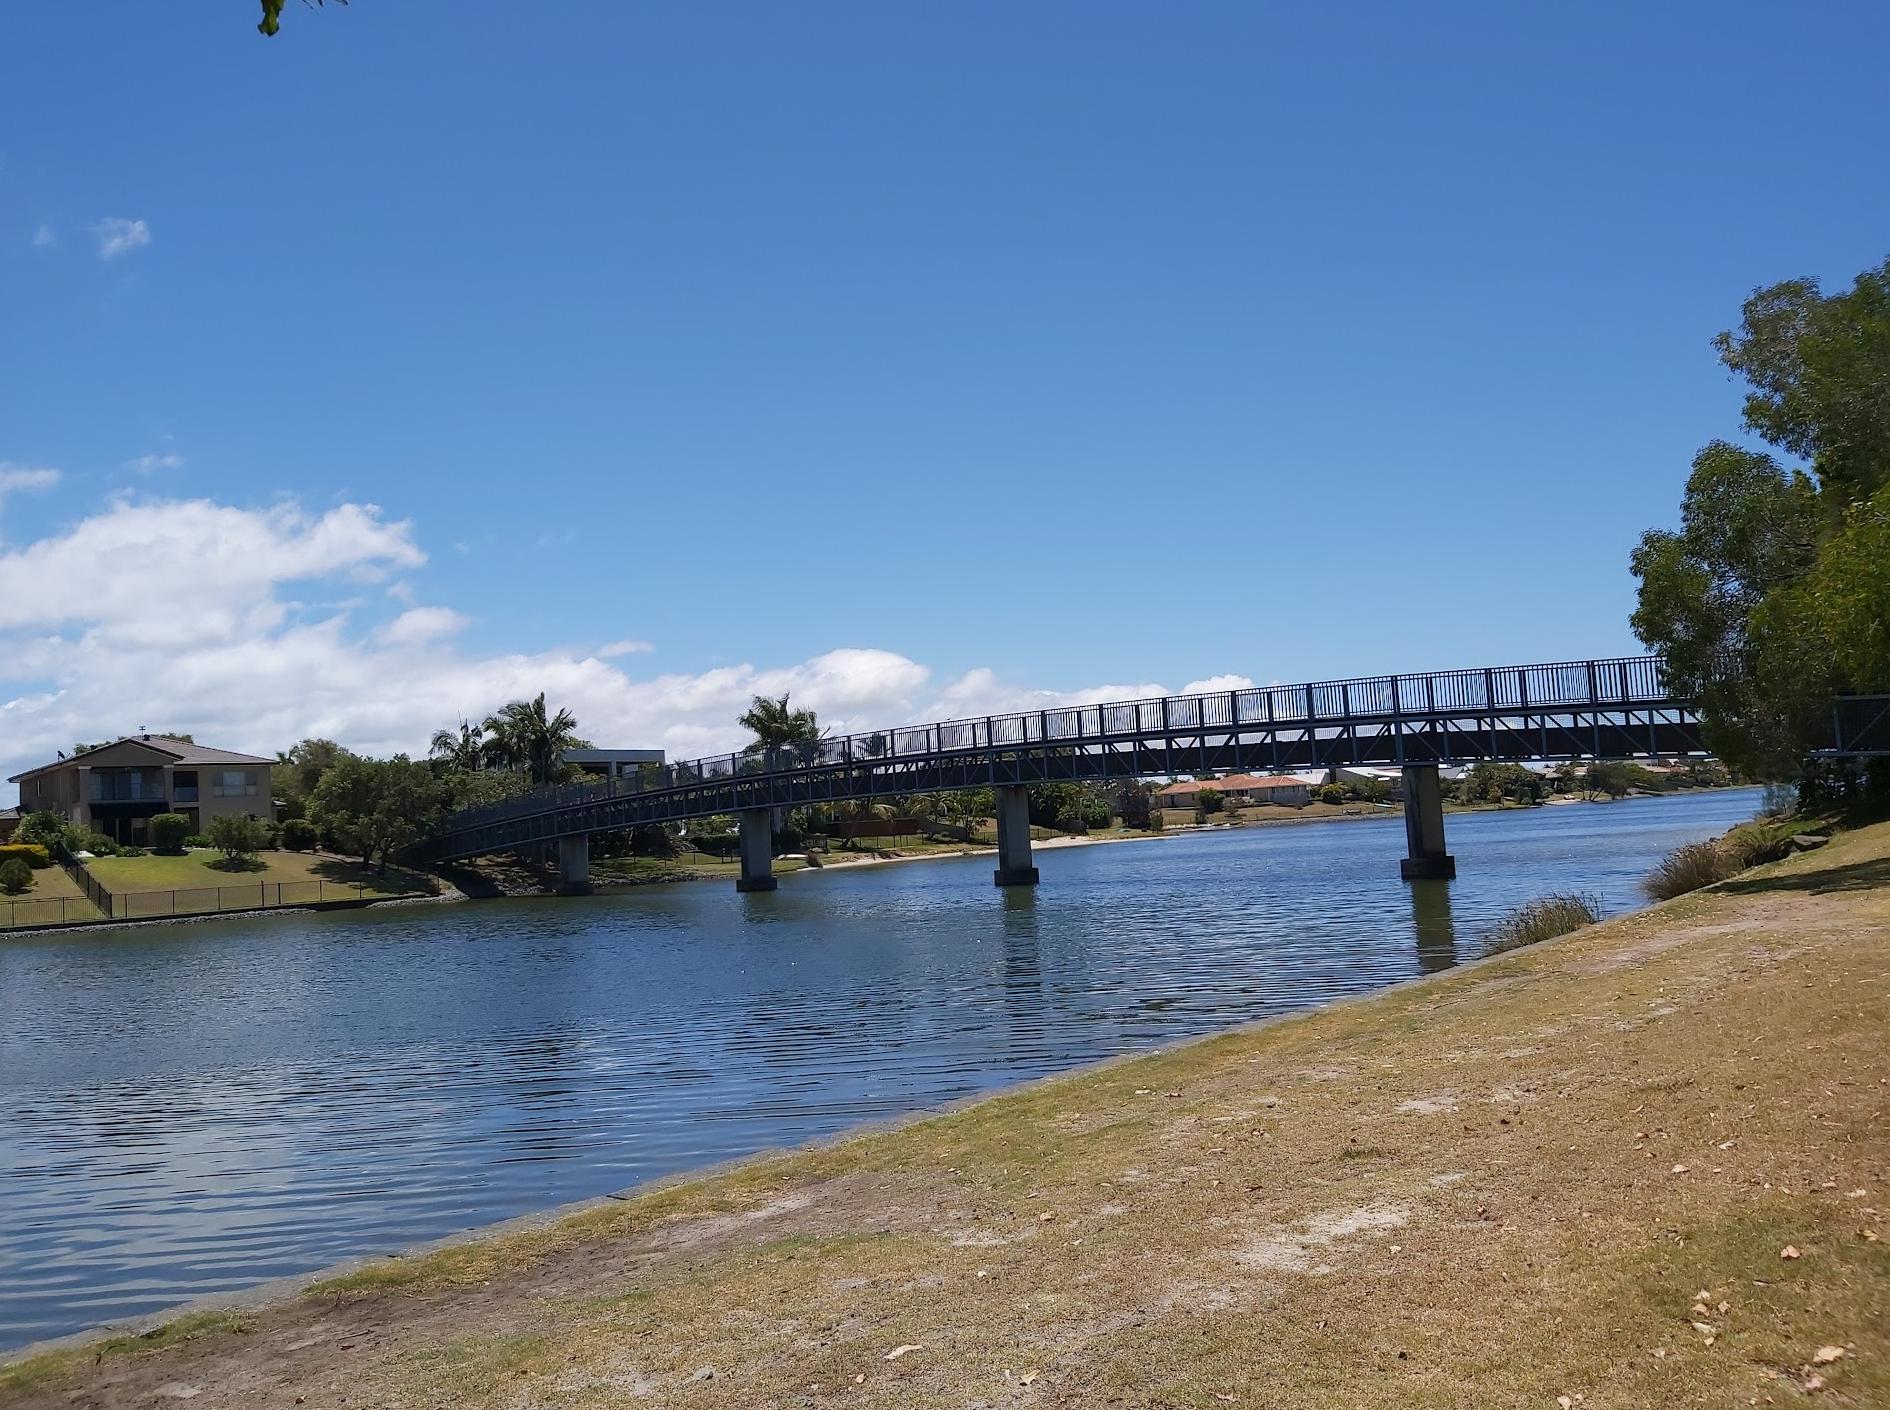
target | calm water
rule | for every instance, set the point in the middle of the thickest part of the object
(190, 1109)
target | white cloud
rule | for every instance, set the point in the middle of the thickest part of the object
(149, 464)
(118, 236)
(44, 238)
(1215, 684)
(240, 626)
(419, 625)
(612, 650)
(980, 692)
(15, 477)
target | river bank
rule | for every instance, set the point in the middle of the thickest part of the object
(655, 873)
(1573, 1170)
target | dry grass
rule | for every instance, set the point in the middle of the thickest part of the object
(1756, 843)
(1506, 1184)
(1545, 918)
(1689, 868)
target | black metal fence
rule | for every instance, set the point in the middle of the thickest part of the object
(101, 903)
(253, 896)
(48, 910)
(94, 891)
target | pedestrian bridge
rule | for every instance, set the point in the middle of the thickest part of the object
(1619, 708)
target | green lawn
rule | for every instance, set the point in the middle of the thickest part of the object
(54, 899)
(202, 880)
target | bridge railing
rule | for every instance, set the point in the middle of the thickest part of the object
(1559, 685)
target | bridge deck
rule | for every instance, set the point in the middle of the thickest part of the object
(1604, 709)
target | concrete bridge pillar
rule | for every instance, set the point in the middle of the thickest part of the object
(574, 864)
(1424, 827)
(757, 851)
(1013, 819)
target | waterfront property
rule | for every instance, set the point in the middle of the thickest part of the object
(117, 788)
(1279, 790)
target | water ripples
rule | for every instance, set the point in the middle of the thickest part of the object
(187, 1110)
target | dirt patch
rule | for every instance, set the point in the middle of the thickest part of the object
(1308, 1248)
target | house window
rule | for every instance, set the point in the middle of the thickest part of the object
(234, 783)
(184, 786)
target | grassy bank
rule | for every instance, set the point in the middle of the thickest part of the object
(1644, 1164)
(55, 899)
(203, 880)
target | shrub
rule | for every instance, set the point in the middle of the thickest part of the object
(34, 855)
(1781, 800)
(298, 834)
(15, 876)
(1330, 793)
(1545, 918)
(1209, 800)
(196, 839)
(168, 831)
(134, 851)
(45, 827)
(271, 833)
(1753, 844)
(1689, 868)
(1072, 820)
(97, 843)
(236, 838)
(652, 840)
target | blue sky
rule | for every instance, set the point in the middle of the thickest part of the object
(1064, 345)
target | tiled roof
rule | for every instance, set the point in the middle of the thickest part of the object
(188, 753)
(182, 751)
(1242, 783)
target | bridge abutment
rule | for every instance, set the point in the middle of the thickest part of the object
(1014, 866)
(1426, 859)
(757, 851)
(574, 865)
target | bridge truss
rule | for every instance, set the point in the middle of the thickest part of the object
(1605, 709)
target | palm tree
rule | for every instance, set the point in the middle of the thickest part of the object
(525, 735)
(776, 725)
(461, 751)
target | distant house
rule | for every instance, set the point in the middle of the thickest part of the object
(9, 823)
(1285, 790)
(1364, 775)
(118, 788)
(611, 763)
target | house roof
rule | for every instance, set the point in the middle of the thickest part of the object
(179, 751)
(1245, 783)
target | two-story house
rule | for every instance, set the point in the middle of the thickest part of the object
(118, 788)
